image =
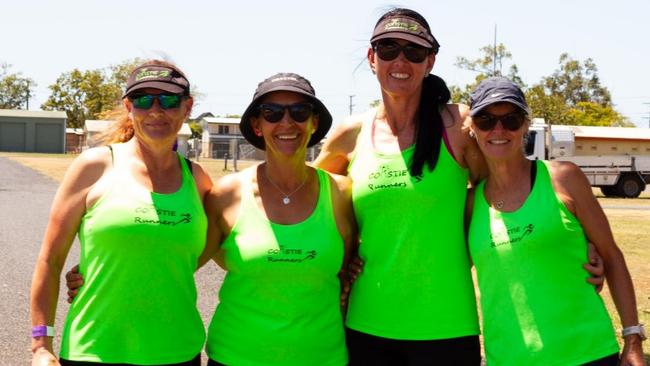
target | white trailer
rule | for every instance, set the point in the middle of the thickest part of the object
(617, 175)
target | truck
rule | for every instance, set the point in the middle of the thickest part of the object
(614, 159)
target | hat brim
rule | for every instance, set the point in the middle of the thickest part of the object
(405, 36)
(324, 118)
(167, 87)
(505, 99)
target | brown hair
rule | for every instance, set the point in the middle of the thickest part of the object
(121, 130)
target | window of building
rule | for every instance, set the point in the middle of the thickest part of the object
(223, 130)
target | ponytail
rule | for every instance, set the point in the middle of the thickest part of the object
(428, 124)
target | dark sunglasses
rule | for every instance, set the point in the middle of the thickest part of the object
(511, 121)
(166, 101)
(273, 112)
(389, 50)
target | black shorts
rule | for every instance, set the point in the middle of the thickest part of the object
(365, 349)
(611, 360)
(196, 361)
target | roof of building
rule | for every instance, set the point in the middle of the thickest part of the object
(222, 120)
(32, 114)
(622, 133)
(76, 131)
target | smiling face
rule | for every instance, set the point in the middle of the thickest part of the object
(499, 143)
(156, 125)
(400, 77)
(287, 136)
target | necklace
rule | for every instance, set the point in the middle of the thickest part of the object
(285, 200)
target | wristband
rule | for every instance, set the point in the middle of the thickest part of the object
(42, 331)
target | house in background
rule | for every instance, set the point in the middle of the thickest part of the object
(92, 129)
(221, 138)
(32, 131)
(75, 140)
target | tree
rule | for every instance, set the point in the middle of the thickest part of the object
(15, 90)
(488, 65)
(88, 94)
(594, 114)
(573, 95)
(577, 82)
(375, 103)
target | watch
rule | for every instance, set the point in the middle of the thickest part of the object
(635, 329)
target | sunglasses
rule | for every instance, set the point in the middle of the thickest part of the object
(511, 121)
(389, 50)
(273, 112)
(165, 101)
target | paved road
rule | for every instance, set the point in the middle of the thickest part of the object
(25, 199)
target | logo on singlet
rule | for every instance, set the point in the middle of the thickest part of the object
(153, 215)
(386, 177)
(511, 236)
(290, 255)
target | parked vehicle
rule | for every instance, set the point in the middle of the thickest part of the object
(615, 159)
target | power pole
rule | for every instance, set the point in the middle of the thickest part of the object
(27, 96)
(494, 58)
(351, 105)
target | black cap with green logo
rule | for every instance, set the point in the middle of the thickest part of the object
(406, 28)
(165, 78)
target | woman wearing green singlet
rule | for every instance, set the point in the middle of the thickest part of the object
(530, 222)
(409, 160)
(136, 205)
(285, 229)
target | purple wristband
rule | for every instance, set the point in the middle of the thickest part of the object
(42, 331)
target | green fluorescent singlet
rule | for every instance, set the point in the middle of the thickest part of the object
(416, 282)
(139, 251)
(538, 308)
(279, 302)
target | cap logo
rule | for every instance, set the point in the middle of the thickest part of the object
(152, 74)
(495, 95)
(284, 78)
(401, 25)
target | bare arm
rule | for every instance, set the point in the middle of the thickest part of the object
(68, 208)
(574, 190)
(347, 227)
(214, 237)
(338, 148)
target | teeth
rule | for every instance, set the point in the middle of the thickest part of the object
(399, 75)
(287, 137)
(498, 142)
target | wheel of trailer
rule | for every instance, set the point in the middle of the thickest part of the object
(630, 186)
(609, 191)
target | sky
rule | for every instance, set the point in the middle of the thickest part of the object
(227, 47)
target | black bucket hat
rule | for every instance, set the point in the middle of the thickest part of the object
(285, 82)
(496, 90)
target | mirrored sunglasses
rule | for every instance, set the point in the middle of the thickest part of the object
(511, 121)
(388, 50)
(165, 101)
(273, 112)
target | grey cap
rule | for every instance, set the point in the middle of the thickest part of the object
(285, 82)
(496, 90)
(406, 28)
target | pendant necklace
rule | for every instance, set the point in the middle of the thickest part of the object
(285, 200)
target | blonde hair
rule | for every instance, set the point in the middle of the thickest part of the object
(121, 130)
